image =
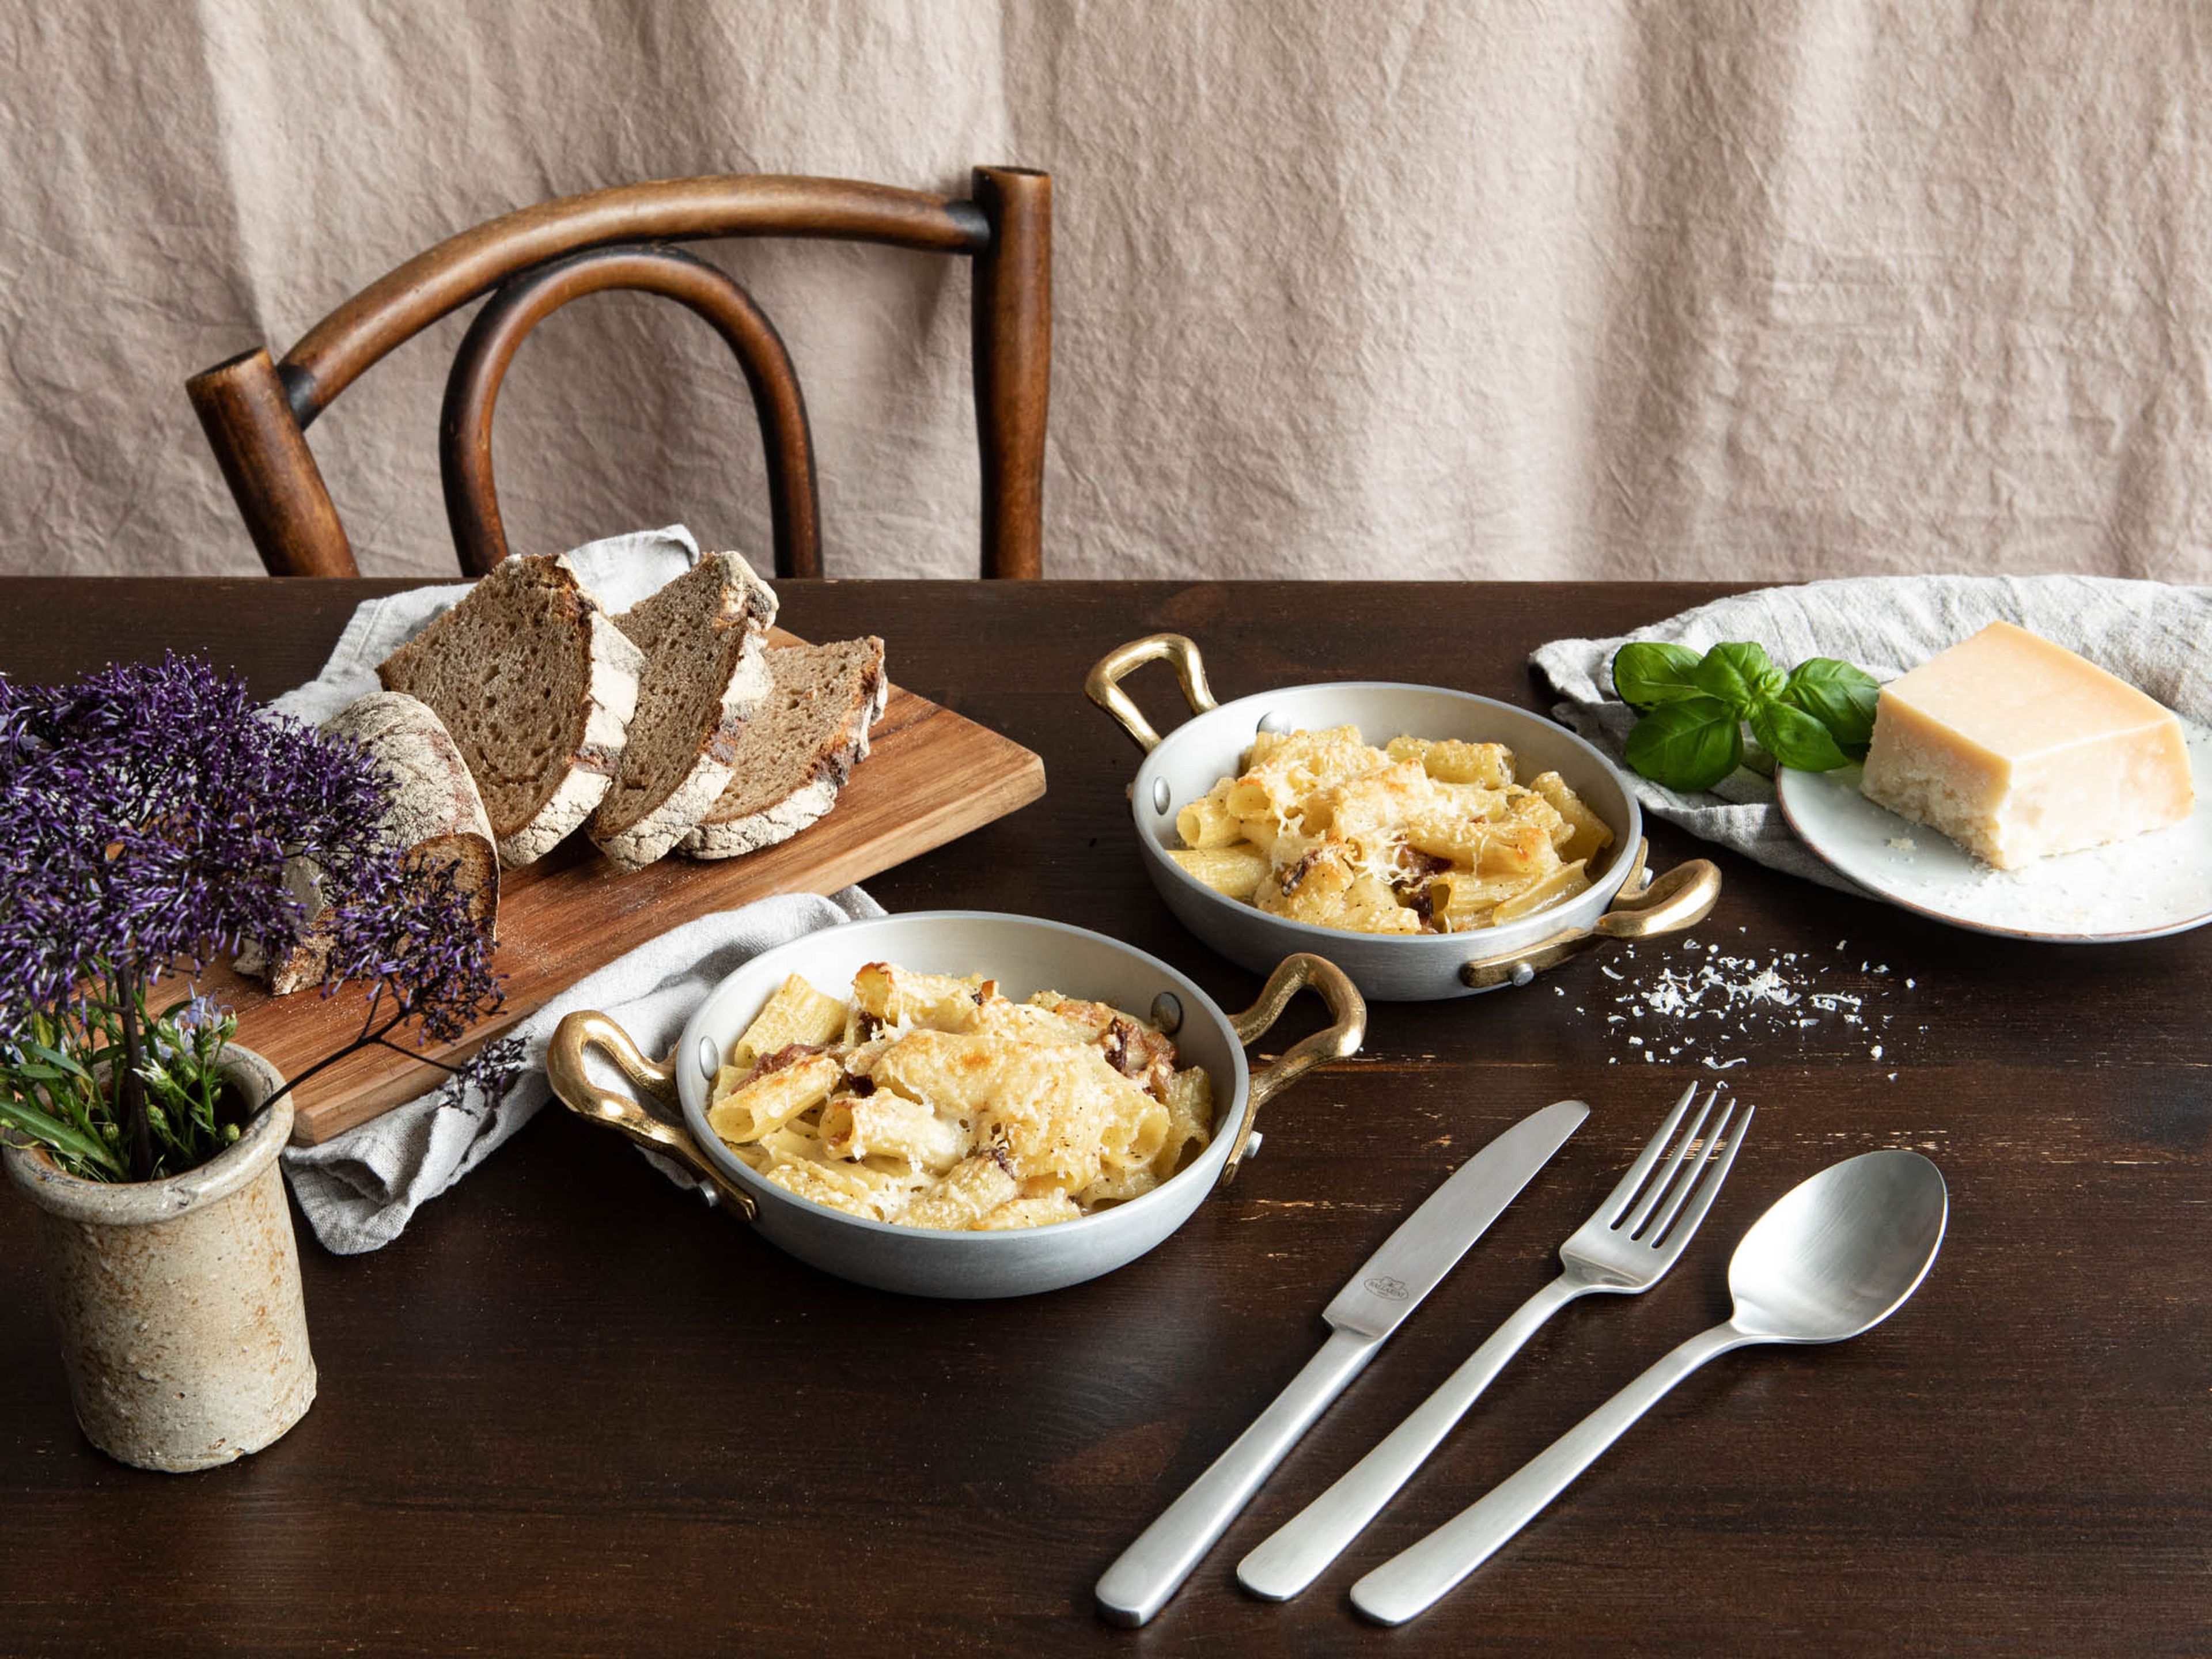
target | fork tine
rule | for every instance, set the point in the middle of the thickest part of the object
(1668, 1176)
(1709, 1184)
(1623, 1195)
(1680, 1193)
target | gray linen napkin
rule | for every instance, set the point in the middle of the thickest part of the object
(2154, 635)
(360, 1189)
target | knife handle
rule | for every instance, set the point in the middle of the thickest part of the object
(1295, 1555)
(1139, 1582)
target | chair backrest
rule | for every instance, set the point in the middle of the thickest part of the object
(256, 412)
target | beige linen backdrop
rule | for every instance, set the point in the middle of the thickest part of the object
(1398, 287)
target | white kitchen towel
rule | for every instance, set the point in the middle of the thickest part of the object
(2149, 634)
(360, 1189)
(620, 570)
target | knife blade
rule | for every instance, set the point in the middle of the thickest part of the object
(1389, 1284)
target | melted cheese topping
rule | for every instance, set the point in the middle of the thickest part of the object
(1420, 836)
(942, 1103)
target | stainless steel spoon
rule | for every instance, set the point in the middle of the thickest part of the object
(1835, 1256)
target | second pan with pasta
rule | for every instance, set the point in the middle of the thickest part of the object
(1623, 901)
(1022, 956)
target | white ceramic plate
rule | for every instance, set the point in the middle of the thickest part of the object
(2139, 889)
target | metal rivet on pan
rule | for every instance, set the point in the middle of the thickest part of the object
(1252, 1144)
(1522, 973)
(1161, 798)
(1167, 1013)
(710, 1057)
(1274, 720)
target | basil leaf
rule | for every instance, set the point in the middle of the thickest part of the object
(1841, 697)
(1688, 745)
(1738, 673)
(1646, 674)
(1795, 739)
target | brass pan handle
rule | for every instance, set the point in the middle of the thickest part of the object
(572, 1082)
(1102, 684)
(1683, 897)
(1341, 1041)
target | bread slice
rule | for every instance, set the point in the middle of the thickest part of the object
(705, 674)
(537, 685)
(434, 814)
(797, 751)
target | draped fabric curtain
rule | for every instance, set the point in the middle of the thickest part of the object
(1740, 289)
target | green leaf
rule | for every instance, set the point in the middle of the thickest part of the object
(1795, 739)
(1841, 697)
(1688, 745)
(55, 1057)
(1738, 673)
(52, 1132)
(1647, 672)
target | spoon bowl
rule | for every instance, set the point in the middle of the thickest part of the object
(1840, 1252)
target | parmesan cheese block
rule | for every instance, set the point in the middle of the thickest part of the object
(2017, 749)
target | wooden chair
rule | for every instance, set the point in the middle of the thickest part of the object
(255, 413)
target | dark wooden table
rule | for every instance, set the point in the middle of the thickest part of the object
(572, 1412)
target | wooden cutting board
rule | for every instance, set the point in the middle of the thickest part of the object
(930, 777)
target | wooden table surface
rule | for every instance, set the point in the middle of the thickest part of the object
(571, 1411)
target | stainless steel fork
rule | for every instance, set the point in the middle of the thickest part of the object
(1627, 1247)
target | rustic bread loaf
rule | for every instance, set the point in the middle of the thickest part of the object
(434, 813)
(537, 685)
(797, 752)
(705, 674)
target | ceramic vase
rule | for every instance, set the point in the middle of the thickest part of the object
(177, 1300)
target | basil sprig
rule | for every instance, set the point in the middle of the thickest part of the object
(1816, 718)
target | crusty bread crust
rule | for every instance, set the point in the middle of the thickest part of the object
(434, 812)
(749, 606)
(433, 796)
(810, 801)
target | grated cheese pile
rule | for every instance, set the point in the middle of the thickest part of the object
(1698, 1004)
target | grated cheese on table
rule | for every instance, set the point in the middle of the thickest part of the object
(1705, 1005)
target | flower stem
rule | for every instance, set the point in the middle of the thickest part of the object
(131, 1087)
(365, 1040)
(384, 1042)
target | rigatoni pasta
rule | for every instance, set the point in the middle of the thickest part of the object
(930, 1100)
(1421, 835)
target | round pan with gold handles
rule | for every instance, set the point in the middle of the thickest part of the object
(1025, 954)
(1624, 901)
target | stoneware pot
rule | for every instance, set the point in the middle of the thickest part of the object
(182, 1328)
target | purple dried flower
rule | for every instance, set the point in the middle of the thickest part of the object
(408, 925)
(146, 812)
(148, 816)
(487, 1076)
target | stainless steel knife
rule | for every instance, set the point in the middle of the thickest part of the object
(1389, 1286)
